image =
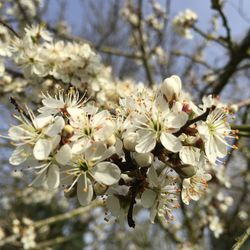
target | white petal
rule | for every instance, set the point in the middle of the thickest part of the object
(52, 103)
(55, 141)
(95, 151)
(84, 190)
(106, 173)
(75, 114)
(99, 118)
(146, 142)
(39, 180)
(153, 212)
(80, 145)
(42, 120)
(176, 120)
(221, 146)
(210, 149)
(184, 196)
(113, 205)
(104, 132)
(153, 177)
(186, 183)
(20, 155)
(148, 198)
(42, 149)
(53, 177)
(64, 154)
(17, 132)
(170, 142)
(190, 155)
(56, 127)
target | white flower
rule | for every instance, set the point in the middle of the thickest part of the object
(190, 155)
(113, 205)
(214, 132)
(31, 62)
(40, 132)
(90, 128)
(194, 187)
(215, 225)
(160, 125)
(49, 171)
(161, 195)
(91, 167)
(36, 32)
(171, 88)
(183, 21)
(62, 102)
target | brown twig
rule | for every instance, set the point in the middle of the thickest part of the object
(142, 46)
(201, 117)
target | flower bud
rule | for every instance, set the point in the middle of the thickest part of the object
(129, 141)
(68, 130)
(111, 140)
(171, 88)
(99, 188)
(143, 159)
(186, 170)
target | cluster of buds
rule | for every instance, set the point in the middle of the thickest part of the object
(183, 22)
(152, 148)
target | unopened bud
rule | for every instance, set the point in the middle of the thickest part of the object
(129, 141)
(171, 88)
(111, 140)
(100, 188)
(143, 159)
(234, 108)
(186, 170)
(68, 130)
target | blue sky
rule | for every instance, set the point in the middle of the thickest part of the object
(75, 13)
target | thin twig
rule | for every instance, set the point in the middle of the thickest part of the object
(216, 5)
(67, 215)
(142, 46)
(9, 28)
(201, 117)
(241, 240)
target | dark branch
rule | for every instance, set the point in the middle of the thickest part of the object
(201, 117)
(237, 56)
(9, 28)
(216, 5)
(18, 108)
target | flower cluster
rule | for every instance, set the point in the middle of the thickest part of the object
(43, 59)
(183, 21)
(152, 146)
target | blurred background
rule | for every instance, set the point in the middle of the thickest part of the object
(215, 61)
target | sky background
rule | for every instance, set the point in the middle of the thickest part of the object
(75, 12)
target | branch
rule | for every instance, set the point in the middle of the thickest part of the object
(55, 219)
(201, 117)
(243, 103)
(57, 240)
(208, 37)
(9, 28)
(18, 108)
(243, 128)
(241, 240)
(68, 215)
(192, 58)
(142, 44)
(238, 54)
(216, 5)
(23, 11)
